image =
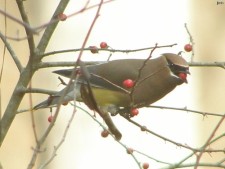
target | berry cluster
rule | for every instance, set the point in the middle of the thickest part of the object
(94, 49)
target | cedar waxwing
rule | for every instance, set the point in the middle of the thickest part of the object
(152, 79)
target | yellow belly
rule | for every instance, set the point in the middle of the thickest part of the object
(105, 97)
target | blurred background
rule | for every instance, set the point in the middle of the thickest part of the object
(123, 25)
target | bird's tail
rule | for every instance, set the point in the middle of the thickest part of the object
(69, 93)
(47, 103)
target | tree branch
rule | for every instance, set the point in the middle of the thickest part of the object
(25, 77)
(29, 32)
(65, 64)
(109, 50)
(171, 141)
(51, 28)
(60, 142)
(12, 53)
(208, 143)
(27, 26)
(207, 64)
(42, 45)
(37, 90)
(191, 64)
(187, 110)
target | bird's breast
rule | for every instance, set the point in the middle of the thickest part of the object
(150, 89)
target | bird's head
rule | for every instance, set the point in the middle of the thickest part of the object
(178, 66)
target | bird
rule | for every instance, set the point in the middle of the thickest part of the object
(150, 80)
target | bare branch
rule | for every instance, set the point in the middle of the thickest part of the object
(171, 141)
(12, 53)
(109, 50)
(185, 109)
(85, 8)
(191, 41)
(105, 115)
(37, 90)
(208, 143)
(32, 115)
(123, 145)
(193, 164)
(137, 80)
(29, 32)
(51, 28)
(42, 46)
(207, 64)
(65, 64)
(27, 26)
(60, 143)
(193, 64)
(24, 80)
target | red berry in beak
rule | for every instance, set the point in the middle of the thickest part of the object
(183, 76)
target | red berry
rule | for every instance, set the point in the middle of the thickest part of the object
(93, 49)
(183, 76)
(188, 47)
(62, 17)
(128, 83)
(50, 118)
(103, 45)
(145, 165)
(134, 112)
(130, 150)
(104, 133)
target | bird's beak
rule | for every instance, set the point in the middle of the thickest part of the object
(187, 72)
(185, 81)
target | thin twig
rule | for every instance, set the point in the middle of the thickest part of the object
(123, 145)
(158, 161)
(29, 32)
(191, 41)
(185, 109)
(190, 155)
(41, 47)
(207, 143)
(51, 28)
(26, 25)
(108, 49)
(32, 114)
(137, 80)
(193, 164)
(65, 64)
(60, 142)
(37, 90)
(104, 115)
(120, 88)
(12, 53)
(171, 141)
(207, 64)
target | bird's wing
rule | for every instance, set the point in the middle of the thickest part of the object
(108, 75)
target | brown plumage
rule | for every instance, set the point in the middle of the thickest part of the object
(153, 78)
